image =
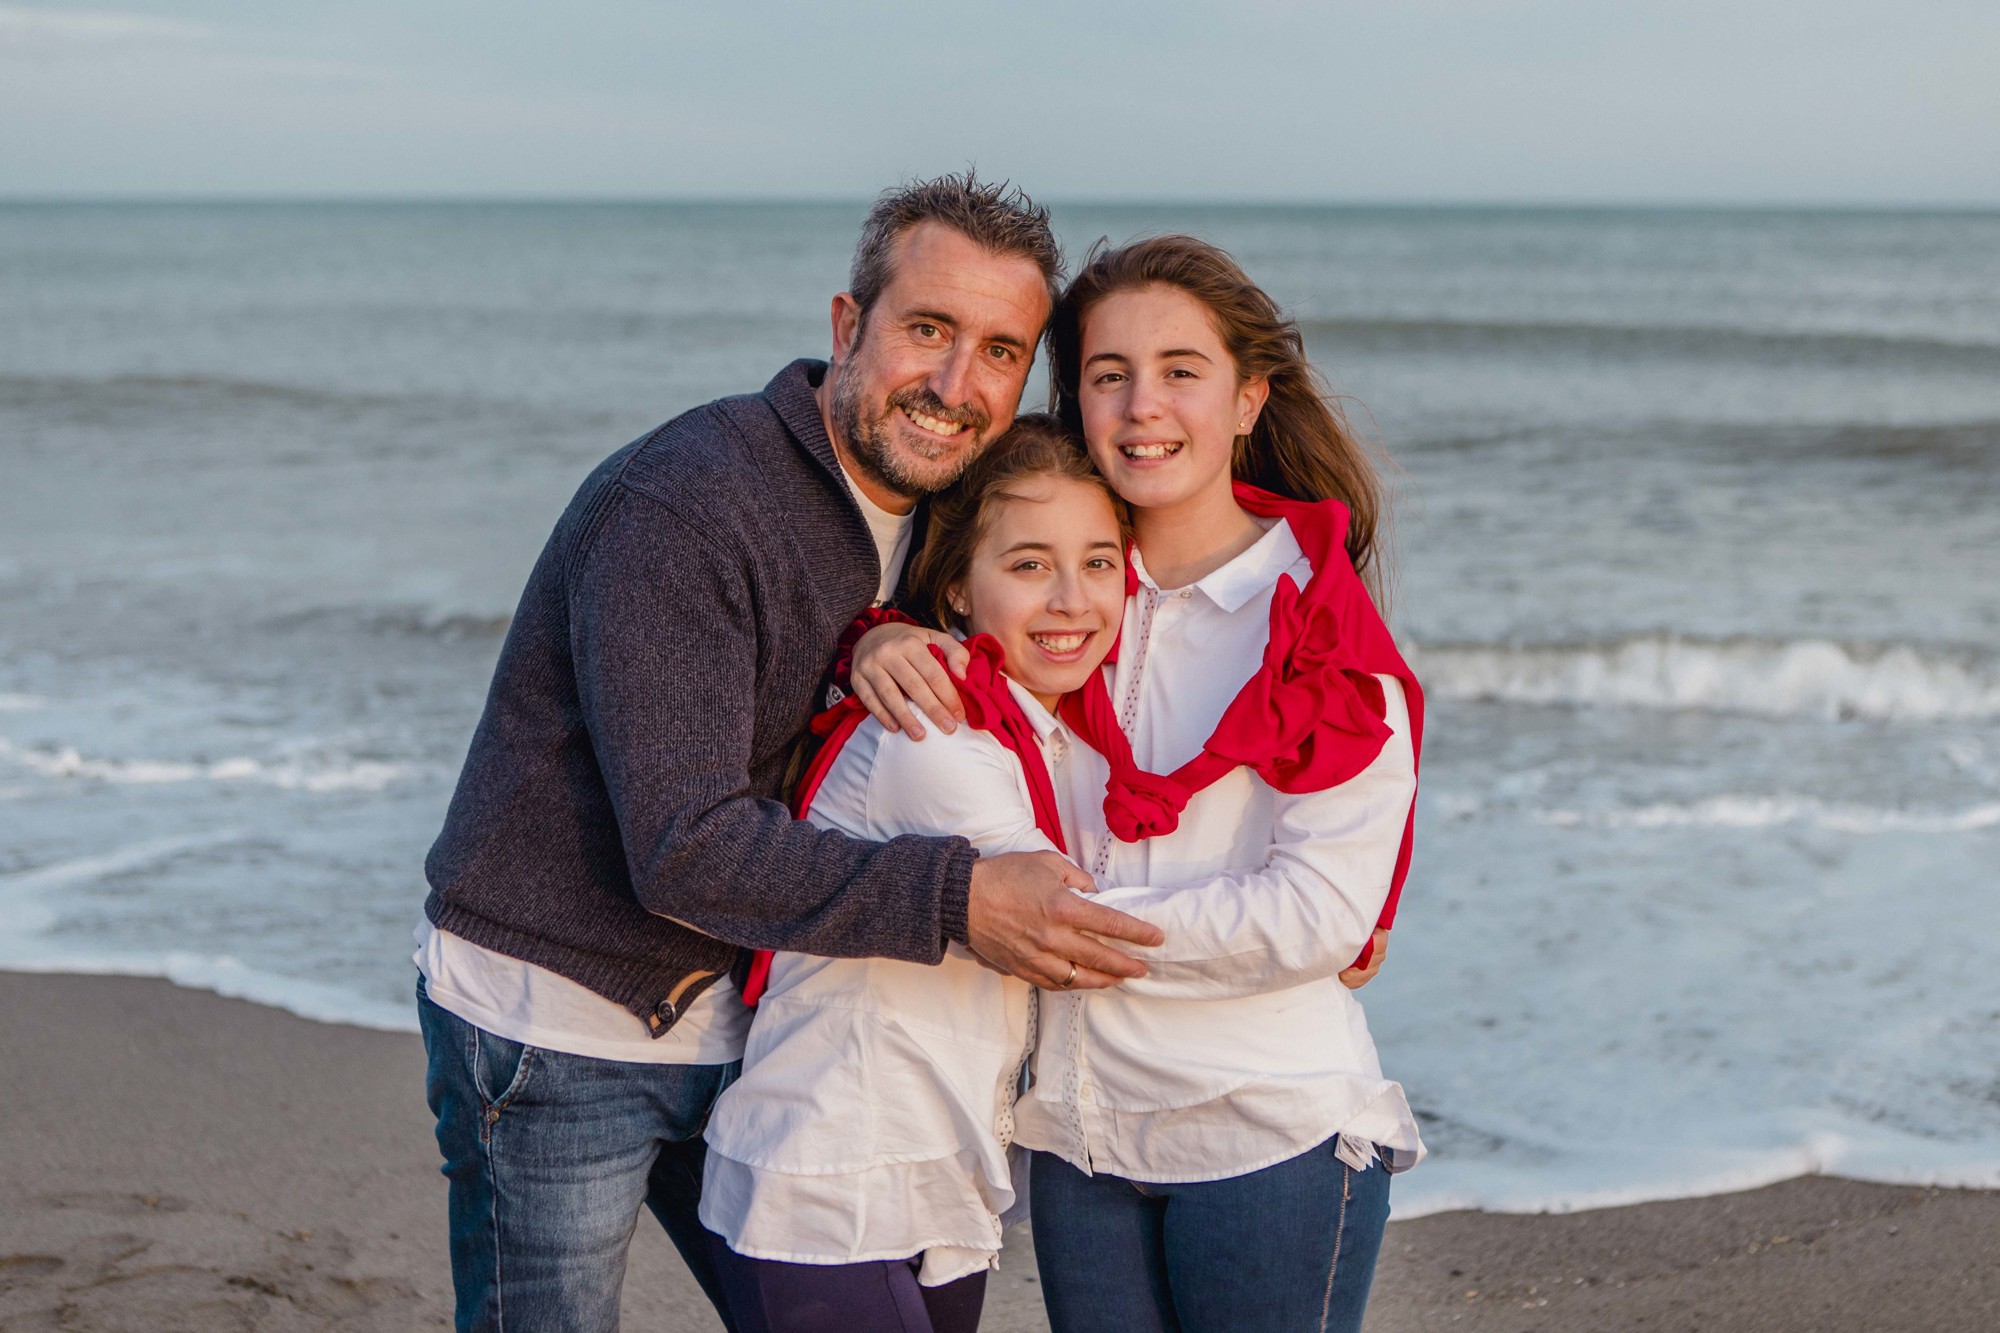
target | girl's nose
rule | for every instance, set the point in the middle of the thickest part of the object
(1142, 402)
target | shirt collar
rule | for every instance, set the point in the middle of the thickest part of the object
(791, 395)
(1044, 722)
(1249, 573)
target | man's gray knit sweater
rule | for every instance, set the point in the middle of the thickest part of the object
(616, 820)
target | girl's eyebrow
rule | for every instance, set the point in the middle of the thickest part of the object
(1048, 546)
(1167, 355)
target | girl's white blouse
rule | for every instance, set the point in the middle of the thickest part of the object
(874, 1114)
(1241, 1048)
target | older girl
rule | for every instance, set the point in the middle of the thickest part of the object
(860, 1168)
(1213, 1141)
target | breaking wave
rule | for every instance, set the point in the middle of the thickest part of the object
(1774, 678)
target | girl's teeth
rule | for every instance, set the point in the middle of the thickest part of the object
(1060, 643)
(1151, 450)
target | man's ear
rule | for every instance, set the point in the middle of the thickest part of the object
(846, 326)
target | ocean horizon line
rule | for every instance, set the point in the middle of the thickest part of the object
(1576, 206)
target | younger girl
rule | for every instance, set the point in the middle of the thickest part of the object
(859, 1169)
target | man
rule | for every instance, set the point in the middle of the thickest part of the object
(615, 836)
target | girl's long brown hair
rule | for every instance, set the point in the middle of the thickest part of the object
(1301, 445)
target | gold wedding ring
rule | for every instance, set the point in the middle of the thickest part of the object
(1071, 977)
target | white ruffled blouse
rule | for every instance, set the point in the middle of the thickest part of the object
(1240, 1048)
(874, 1116)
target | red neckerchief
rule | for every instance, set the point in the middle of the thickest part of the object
(1310, 719)
(989, 705)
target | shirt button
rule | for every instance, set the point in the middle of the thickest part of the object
(1185, 593)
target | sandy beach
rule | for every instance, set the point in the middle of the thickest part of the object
(178, 1161)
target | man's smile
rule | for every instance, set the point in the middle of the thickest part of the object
(937, 426)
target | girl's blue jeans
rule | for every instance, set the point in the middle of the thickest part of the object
(1288, 1248)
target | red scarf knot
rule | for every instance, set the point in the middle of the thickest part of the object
(1138, 804)
(1311, 718)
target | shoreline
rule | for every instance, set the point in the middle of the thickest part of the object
(175, 1159)
(1837, 1153)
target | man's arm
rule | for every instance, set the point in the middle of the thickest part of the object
(665, 649)
(1035, 929)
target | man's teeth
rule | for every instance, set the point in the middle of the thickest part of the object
(935, 425)
(1060, 643)
(1149, 450)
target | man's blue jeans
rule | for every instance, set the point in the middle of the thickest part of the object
(1287, 1248)
(550, 1158)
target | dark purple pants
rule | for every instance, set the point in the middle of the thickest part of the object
(766, 1296)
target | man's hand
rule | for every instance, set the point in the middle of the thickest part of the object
(894, 676)
(1354, 978)
(1022, 918)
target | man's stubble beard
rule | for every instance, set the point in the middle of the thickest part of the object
(869, 446)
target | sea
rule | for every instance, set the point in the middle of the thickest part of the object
(1697, 550)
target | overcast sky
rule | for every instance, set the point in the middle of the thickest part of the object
(1476, 100)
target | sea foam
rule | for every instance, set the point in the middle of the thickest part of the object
(28, 910)
(67, 762)
(228, 977)
(1742, 811)
(1584, 1177)
(1776, 678)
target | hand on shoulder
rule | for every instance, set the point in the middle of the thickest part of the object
(898, 679)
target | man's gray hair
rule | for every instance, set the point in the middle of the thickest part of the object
(998, 216)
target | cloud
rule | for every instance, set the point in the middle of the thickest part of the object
(132, 44)
(44, 29)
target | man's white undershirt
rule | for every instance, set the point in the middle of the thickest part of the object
(537, 1007)
(892, 538)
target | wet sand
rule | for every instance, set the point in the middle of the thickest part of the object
(171, 1160)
